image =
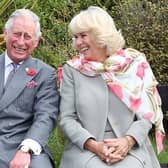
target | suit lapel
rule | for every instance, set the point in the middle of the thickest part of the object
(18, 82)
(2, 64)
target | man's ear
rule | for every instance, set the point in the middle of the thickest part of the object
(37, 42)
(5, 34)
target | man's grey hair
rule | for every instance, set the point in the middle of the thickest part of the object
(24, 12)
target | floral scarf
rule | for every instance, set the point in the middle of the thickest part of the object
(129, 76)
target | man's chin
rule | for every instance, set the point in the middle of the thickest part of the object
(17, 57)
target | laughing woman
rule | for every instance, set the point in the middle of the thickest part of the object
(109, 99)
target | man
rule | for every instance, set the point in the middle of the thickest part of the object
(28, 97)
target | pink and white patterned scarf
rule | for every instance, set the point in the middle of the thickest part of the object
(129, 76)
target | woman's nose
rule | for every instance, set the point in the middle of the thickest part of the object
(78, 41)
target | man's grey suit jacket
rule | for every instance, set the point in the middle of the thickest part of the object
(27, 111)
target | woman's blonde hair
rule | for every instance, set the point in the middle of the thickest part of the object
(101, 25)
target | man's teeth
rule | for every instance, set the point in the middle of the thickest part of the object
(19, 49)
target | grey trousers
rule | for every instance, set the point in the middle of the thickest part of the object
(41, 161)
(3, 164)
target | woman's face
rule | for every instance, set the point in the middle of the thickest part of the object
(86, 45)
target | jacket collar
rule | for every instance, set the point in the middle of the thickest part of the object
(18, 82)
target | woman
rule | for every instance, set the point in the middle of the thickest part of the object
(109, 99)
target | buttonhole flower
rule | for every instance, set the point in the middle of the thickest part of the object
(31, 72)
(31, 84)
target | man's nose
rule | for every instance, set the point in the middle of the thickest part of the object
(21, 39)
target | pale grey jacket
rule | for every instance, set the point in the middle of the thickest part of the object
(84, 111)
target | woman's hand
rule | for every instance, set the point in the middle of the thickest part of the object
(121, 145)
(110, 150)
(99, 148)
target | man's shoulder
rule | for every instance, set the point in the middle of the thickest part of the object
(42, 64)
(2, 54)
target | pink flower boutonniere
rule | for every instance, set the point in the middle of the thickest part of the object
(31, 84)
(31, 72)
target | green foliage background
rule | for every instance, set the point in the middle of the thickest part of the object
(143, 24)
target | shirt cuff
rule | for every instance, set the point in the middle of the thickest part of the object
(33, 145)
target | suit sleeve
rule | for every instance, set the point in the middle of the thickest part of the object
(45, 108)
(139, 130)
(69, 121)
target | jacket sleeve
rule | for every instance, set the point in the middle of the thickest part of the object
(139, 130)
(69, 121)
(45, 107)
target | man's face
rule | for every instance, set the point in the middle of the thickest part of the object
(20, 39)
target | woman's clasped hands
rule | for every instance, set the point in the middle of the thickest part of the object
(111, 150)
(118, 148)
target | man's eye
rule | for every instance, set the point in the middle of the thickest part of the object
(17, 34)
(27, 37)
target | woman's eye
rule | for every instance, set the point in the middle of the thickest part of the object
(74, 37)
(83, 35)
